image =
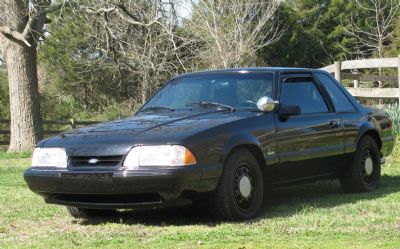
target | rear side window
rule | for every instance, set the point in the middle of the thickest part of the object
(303, 93)
(339, 99)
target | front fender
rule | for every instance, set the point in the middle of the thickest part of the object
(240, 140)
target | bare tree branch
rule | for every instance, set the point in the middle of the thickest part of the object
(33, 16)
(141, 38)
(8, 32)
(234, 30)
(380, 27)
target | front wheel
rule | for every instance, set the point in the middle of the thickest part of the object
(84, 213)
(240, 191)
(365, 171)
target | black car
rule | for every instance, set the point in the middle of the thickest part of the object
(219, 138)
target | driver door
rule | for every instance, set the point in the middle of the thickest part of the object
(310, 144)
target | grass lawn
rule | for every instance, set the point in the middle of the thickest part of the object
(316, 215)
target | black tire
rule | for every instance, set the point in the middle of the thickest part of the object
(358, 176)
(228, 202)
(83, 213)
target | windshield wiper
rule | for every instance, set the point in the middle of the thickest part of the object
(156, 108)
(207, 104)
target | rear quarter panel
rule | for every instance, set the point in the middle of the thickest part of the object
(382, 123)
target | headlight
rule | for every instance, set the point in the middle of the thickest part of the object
(49, 157)
(159, 155)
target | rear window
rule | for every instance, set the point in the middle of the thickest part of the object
(339, 99)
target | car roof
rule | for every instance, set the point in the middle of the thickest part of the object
(251, 69)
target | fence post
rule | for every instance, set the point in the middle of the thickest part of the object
(72, 121)
(398, 71)
(356, 82)
(337, 70)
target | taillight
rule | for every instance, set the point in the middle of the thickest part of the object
(389, 124)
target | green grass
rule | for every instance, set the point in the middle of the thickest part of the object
(315, 215)
(4, 155)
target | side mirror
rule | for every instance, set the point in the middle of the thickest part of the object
(266, 104)
(285, 111)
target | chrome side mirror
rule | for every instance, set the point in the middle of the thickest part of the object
(266, 104)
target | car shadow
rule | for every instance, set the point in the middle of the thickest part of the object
(288, 201)
(279, 202)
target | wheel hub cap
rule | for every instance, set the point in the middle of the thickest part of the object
(369, 166)
(245, 186)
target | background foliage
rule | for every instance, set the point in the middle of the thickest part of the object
(4, 103)
(98, 66)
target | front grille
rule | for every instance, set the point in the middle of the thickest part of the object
(95, 161)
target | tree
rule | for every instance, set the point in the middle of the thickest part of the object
(147, 57)
(394, 48)
(233, 31)
(373, 26)
(77, 66)
(142, 39)
(117, 51)
(21, 27)
(314, 36)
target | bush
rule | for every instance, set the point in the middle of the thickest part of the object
(119, 110)
(394, 112)
(4, 98)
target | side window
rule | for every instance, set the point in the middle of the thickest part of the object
(303, 93)
(339, 99)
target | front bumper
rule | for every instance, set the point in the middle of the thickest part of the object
(105, 188)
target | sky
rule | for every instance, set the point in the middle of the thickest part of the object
(184, 8)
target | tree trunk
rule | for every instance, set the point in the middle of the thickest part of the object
(19, 51)
(26, 125)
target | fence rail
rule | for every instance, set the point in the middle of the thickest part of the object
(373, 93)
(72, 123)
(368, 77)
(363, 64)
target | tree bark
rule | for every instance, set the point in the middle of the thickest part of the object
(26, 123)
(19, 51)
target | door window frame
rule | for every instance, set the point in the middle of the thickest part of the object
(321, 89)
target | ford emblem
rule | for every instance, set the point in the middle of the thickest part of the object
(93, 161)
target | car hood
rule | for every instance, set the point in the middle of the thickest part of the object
(117, 137)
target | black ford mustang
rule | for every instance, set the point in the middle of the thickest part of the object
(224, 135)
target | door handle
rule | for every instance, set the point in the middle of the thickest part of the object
(335, 124)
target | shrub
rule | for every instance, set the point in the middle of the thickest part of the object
(394, 112)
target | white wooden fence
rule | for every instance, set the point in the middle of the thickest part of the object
(373, 93)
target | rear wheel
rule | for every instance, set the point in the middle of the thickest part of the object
(365, 171)
(239, 194)
(84, 213)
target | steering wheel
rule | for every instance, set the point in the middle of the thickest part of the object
(247, 103)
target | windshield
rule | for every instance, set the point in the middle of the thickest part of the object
(236, 90)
